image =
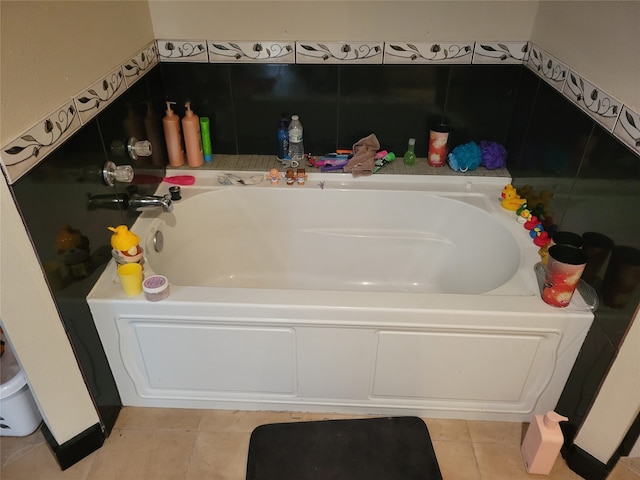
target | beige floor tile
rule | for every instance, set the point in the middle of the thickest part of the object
(500, 461)
(239, 421)
(136, 418)
(622, 471)
(495, 432)
(40, 464)
(444, 430)
(219, 456)
(456, 460)
(144, 455)
(12, 448)
(632, 464)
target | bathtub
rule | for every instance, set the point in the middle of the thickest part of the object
(389, 294)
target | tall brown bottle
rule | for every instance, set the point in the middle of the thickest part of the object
(173, 139)
(192, 139)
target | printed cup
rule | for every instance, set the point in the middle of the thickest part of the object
(438, 142)
(597, 247)
(564, 268)
(622, 276)
(567, 238)
(131, 278)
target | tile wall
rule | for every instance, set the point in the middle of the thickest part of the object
(562, 134)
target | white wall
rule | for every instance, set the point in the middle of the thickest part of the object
(49, 52)
(53, 50)
(599, 39)
(344, 20)
(617, 404)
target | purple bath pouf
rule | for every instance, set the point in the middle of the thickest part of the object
(465, 157)
(494, 155)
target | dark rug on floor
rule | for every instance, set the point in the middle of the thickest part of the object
(360, 449)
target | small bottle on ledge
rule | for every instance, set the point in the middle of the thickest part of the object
(410, 156)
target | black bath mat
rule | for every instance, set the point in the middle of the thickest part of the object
(360, 449)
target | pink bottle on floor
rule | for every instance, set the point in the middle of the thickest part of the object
(542, 443)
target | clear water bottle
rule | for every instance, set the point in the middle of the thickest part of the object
(296, 148)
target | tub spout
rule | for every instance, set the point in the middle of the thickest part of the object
(125, 201)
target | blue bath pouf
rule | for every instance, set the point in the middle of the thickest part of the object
(465, 157)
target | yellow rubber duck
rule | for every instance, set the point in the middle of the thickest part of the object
(124, 239)
(510, 198)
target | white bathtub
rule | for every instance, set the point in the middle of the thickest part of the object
(387, 294)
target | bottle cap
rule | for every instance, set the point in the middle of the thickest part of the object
(188, 112)
(169, 111)
(412, 141)
(551, 419)
(294, 117)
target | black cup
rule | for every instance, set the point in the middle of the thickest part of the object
(567, 238)
(597, 247)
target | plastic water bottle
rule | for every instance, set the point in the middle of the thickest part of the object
(296, 148)
(283, 140)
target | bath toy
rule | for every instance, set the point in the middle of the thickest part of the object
(532, 222)
(542, 239)
(544, 254)
(510, 198)
(301, 176)
(274, 176)
(124, 240)
(290, 176)
(536, 231)
(523, 213)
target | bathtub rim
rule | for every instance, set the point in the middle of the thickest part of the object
(501, 298)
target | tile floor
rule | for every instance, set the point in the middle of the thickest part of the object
(173, 444)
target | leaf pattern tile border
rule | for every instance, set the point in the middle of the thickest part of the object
(23, 153)
(31, 147)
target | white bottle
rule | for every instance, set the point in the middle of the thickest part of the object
(296, 148)
(542, 443)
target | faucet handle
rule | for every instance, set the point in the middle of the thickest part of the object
(112, 173)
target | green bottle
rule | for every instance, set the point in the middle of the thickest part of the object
(410, 156)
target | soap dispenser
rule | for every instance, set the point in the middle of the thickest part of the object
(542, 443)
(171, 125)
(192, 138)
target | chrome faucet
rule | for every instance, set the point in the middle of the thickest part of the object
(134, 201)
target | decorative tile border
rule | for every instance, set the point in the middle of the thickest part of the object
(26, 151)
(19, 156)
(182, 51)
(93, 100)
(335, 52)
(500, 52)
(627, 130)
(140, 63)
(30, 148)
(549, 68)
(599, 105)
(444, 52)
(250, 52)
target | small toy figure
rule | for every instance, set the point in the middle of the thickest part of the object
(510, 198)
(125, 245)
(274, 176)
(301, 176)
(523, 213)
(531, 223)
(544, 254)
(542, 240)
(290, 176)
